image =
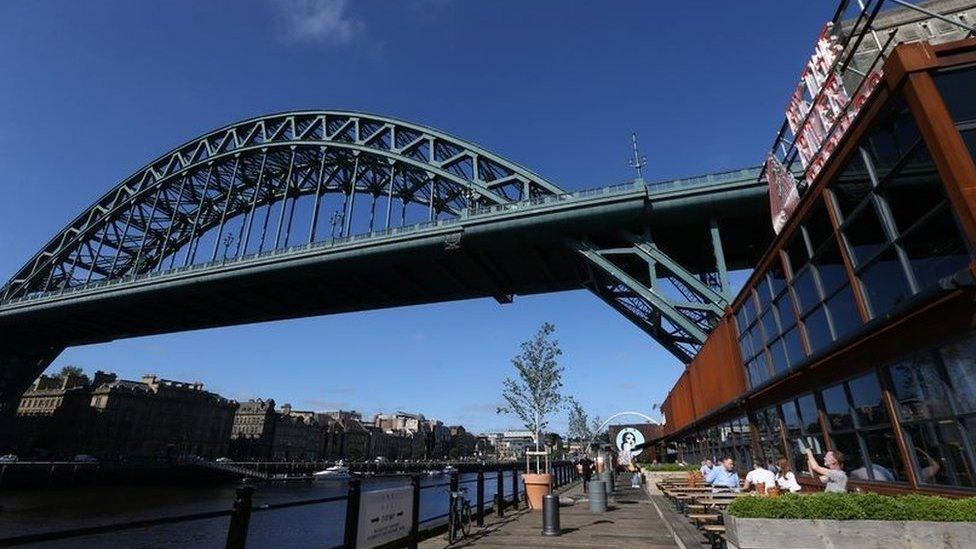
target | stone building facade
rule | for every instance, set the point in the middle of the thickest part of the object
(159, 418)
(252, 436)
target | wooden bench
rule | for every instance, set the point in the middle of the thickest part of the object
(704, 518)
(714, 533)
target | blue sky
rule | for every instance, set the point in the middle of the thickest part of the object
(93, 90)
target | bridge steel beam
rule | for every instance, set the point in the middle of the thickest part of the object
(680, 325)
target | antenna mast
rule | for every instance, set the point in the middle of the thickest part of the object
(638, 161)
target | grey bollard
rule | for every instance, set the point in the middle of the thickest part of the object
(598, 496)
(607, 476)
(550, 515)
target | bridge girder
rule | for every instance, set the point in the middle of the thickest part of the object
(247, 168)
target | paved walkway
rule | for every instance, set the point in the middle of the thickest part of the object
(630, 522)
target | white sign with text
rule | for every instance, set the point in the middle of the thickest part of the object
(384, 516)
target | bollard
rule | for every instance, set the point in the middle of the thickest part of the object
(515, 493)
(415, 516)
(352, 513)
(481, 496)
(239, 520)
(550, 515)
(499, 493)
(598, 496)
(607, 477)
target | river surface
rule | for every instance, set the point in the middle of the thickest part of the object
(315, 525)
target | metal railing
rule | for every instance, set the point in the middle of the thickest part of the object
(244, 507)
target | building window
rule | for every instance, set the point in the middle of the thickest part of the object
(936, 395)
(896, 220)
(770, 439)
(859, 427)
(802, 424)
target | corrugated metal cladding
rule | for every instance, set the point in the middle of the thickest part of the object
(713, 379)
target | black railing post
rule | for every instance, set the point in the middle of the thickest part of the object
(500, 492)
(352, 512)
(415, 517)
(455, 480)
(241, 517)
(515, 490)
(481, 495)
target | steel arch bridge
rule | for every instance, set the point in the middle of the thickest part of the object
(317, 212)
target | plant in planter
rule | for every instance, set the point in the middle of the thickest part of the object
(533, 395)
(853, 520)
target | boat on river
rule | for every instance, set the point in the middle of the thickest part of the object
(337, 472)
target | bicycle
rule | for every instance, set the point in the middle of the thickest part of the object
(459, 516)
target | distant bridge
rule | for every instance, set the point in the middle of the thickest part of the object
(312, 213)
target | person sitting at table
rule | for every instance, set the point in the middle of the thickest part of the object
(785, 479)
(723, 477)
(706, 467)
(759, 475)
(832, 473)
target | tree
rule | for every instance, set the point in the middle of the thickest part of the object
(70, 371)
(579, 421)
(535, 393)
(598, 434)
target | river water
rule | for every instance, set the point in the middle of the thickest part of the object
(316, 525)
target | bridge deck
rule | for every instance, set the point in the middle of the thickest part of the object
(630, 522)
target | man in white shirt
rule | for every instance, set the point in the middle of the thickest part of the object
(759, 475)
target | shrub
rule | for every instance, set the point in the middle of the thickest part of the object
(857, 506)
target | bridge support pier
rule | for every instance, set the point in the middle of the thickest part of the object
(19, 367)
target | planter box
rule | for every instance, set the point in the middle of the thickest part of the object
(749, 533)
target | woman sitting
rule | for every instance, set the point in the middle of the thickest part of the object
(785, 479)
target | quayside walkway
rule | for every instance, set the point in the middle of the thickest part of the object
(631, 521)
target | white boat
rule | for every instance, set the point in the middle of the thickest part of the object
(448, 470)
(336, 472)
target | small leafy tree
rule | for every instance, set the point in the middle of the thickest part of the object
(579, 422)
(70, 371)
(535, 393)
(598, 434)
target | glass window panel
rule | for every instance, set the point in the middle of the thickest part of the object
(763, 293)
(836, 408)
(957, 89)
(848, 445)
(868, 402)
(808, 414)
(892, 137)
(919, 388)
(818, 331)
(756, 371)
(749, 309)
(818, 225)
(886, 464)
(829, 264)
(769, 325)
(851, 186)
(778, 352)
(939, 449)
(865, 235)
(777, 279)
(914, 191)
(884, 283)
(746, 348)
(806, 290)
(960, 361)
(794, 347)
(784, 306)
(791, 419)
(969, 138)
(796, 252)
(843, 312)
(936, 249)
(740, 320)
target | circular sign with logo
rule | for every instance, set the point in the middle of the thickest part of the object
(627, 439)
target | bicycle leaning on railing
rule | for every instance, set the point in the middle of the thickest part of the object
(459, 516)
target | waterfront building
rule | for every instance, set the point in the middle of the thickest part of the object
(355, 437)
(513, 444)
(855, 332)
(462, 442)
(297, 436)
(381, 443)
(159, 418)
(252, 435)
(54, 415)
